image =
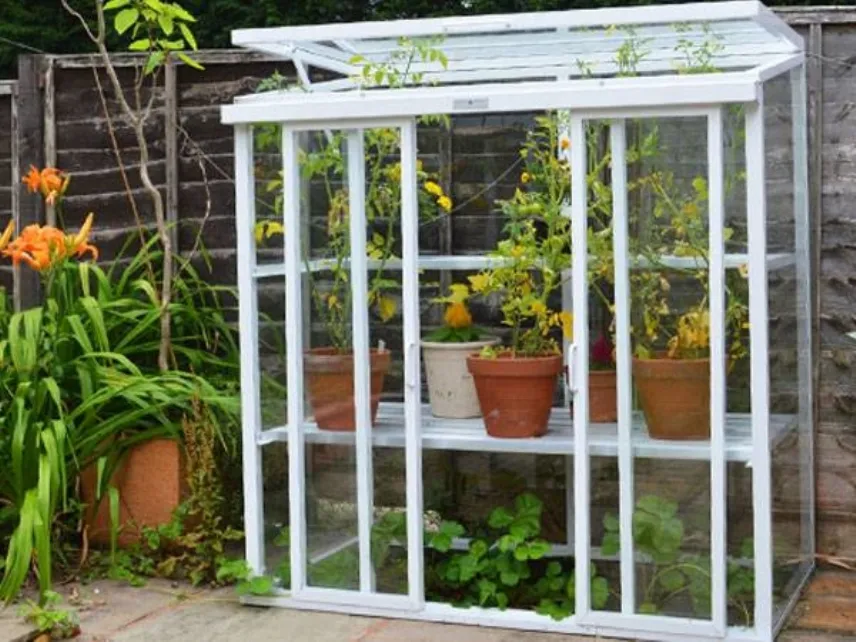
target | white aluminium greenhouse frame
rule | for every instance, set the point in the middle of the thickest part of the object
(471, 86)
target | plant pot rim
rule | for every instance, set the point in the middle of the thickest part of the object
(507, 356)
(671, 360)
(330, 351)
(463, 345)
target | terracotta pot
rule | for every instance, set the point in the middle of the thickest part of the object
(151, 483)
(330, 380)
(603, 406)
(450, 385)
(515, 393)
(675, 397)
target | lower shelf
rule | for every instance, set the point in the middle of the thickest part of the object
(470, 435)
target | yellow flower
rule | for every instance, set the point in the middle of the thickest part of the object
(386, 308)
(564, 143)
(458, 293)
(744, 270)
(445, 203)
(433, 188)
(525, 177)
(567, 324)
(266, 229)
(479, 282)
(332, 300)
(538, 308)
(457, 316)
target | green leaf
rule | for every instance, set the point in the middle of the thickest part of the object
(166, 24)
(510, 577)
(155, 59)
(610, 522)
(143, 44)
(500, 518)
(538, 549)
(672, 580)
(190, 62)
(599, 592)
(180, 13)
(611, 544)
(110, 5)
(647, 608)
(125, 19)
(188, 36)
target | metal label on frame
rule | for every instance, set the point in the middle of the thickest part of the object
(475, 104)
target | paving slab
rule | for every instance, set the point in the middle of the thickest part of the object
(168, 612)
(12, 626)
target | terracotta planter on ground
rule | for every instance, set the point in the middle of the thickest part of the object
(151, 484)
(330, 383)
(603, 405)
(451, 390)
(675, 397)
(515, 393)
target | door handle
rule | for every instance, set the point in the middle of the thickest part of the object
(570, 364)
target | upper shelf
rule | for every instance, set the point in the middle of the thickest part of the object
(470, 435)
(481, 262)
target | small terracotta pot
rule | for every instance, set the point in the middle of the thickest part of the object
(603, 406)
(675, 397)
(451, 390)
(151, 483)
(515, 393)
(330, 380)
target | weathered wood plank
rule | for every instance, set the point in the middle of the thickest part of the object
(30, 126)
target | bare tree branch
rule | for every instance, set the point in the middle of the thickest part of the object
(137, 120)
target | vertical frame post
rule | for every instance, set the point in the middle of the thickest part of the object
(716, 288)
(245, 219)
(618, 147)
(579, 249)
(802, 240)
(294, 347)
(412, 368)
(756, 204)
(362, 383)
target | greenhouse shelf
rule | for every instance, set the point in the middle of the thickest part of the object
(470, 435)
(481, 262)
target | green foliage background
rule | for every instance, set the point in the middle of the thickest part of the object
(43, 25)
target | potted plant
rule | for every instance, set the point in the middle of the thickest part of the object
(671, 365)
(603, 406)
(450, 385)
(329, 369)
(516, 384)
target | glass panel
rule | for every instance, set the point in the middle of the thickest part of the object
(789, 435)
(511, 512)
(384, 237)
(277, 535)
(667, 169)
(328, 364)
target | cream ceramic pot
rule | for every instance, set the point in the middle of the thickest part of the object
(450, 385)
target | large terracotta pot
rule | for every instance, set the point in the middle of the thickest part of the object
(330, 380)
(151, 483)
(451, 390)
(603, 405)
(675, 397)
(515, 393)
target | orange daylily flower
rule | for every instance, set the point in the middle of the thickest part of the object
(51, 182)
(7, 235)
(33, 180)
(78, 244)
(42, 247)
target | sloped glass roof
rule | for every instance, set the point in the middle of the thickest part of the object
(542, 46)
